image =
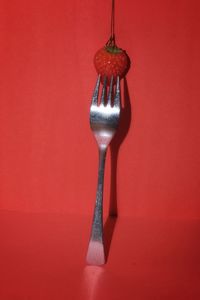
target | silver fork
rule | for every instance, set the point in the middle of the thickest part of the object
(104, 119)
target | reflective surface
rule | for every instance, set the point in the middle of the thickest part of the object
(42, 257)
(104, 119)
(92, 276)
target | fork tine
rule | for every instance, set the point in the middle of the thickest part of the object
(103, 91)
(117, 93)
(96, 91)
(110, 91)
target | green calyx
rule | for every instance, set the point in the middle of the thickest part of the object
(113, 49)
(111, 46)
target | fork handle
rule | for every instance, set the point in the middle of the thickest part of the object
(96, 253)
(97, 224)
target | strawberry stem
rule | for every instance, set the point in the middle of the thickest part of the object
(111, 41)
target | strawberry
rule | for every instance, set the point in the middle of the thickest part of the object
(111, 61)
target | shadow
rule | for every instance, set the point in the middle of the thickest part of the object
(109, 227)
(124, 125)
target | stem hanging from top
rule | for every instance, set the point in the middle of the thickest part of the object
(111, 41)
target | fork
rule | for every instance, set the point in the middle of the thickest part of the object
(104, 119)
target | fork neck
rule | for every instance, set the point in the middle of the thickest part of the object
(102, 157)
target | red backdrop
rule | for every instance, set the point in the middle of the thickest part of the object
(48, 156)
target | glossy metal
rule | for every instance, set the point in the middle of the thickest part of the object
(104, 119)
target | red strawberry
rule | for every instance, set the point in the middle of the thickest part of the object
(111, 61)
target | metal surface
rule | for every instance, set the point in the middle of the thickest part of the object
(104, 119)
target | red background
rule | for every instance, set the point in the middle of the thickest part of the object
(48, 156)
